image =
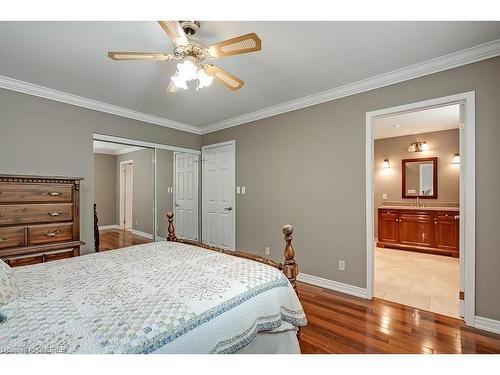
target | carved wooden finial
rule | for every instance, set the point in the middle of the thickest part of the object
(290, 268)
(289, 251)
(171, 229)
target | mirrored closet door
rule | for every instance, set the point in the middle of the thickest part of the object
(136, 183)
(123, 194)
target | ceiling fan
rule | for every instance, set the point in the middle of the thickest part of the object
(194, 57)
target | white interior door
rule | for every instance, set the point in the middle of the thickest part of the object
(218, 186)
(186, 195)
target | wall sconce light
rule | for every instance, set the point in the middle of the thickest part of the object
(456, 159)
(386, 164)
(418, 147)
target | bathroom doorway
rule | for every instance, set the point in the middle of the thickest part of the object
(419, 219)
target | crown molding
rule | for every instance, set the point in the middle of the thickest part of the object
(64, 97)
(125, 150)
(453, 60)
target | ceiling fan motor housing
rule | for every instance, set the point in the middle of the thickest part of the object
(190, 27)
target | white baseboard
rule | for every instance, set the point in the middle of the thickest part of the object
(333, 285)
(487, 324)
(112, 226)
(142, 234)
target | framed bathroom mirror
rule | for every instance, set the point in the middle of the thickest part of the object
(419, 178)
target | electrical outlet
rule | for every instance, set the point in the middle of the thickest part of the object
(341, 265)
(384, 196)
(268, 250)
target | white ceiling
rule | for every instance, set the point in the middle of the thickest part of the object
(429, 120)
(297, 59)
(110, 148)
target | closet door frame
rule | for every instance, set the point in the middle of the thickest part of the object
(154, 147)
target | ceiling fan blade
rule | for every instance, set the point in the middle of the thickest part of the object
(171, 87)
(236, 46)
(139, 56)
(174, 32)
(227, 79)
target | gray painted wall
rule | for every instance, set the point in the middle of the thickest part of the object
(105, 188)
(307, 168)
(143, 192)
(43, 137)
(443, 144)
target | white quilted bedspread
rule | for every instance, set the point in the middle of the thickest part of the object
(162, 297)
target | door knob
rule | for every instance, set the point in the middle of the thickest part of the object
(228, 208)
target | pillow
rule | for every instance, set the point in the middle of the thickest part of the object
(8, 285)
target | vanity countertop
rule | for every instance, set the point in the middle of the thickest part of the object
(427, 208)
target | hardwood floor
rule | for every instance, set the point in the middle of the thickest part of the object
(338, 323)
(117, 238)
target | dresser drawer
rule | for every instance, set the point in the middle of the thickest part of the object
(35, 213)
(14, 192)
(50, 233)
(24, 261)
(11, 237)
(64, 254)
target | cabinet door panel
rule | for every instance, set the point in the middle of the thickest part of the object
(415, 228)
(446, 229)
(388, 226)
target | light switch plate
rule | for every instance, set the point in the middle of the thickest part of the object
(243, 190)
(238, 190)
(341, 265)
(384, 196)
(268, 250)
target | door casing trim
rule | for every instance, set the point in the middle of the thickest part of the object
(467, 191)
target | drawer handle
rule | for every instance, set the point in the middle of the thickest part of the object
(54, 214)
(1, 215)
(54, 193)
(51, 233)
(4, 238)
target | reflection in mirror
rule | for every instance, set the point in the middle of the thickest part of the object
(177, 190)
(164, 190)
(419, 178)
(186, 194)
(123, 194)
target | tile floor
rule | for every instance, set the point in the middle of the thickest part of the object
(425, 281)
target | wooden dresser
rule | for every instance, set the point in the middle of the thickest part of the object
(429, 230)
(39, 218)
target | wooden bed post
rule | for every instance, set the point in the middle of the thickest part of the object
(171, 229)
(290, 268)
(97, 239)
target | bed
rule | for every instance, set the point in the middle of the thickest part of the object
(175, 296)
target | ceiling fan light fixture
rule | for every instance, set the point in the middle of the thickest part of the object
(204, 79)
(179, 82)
(194, 57)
